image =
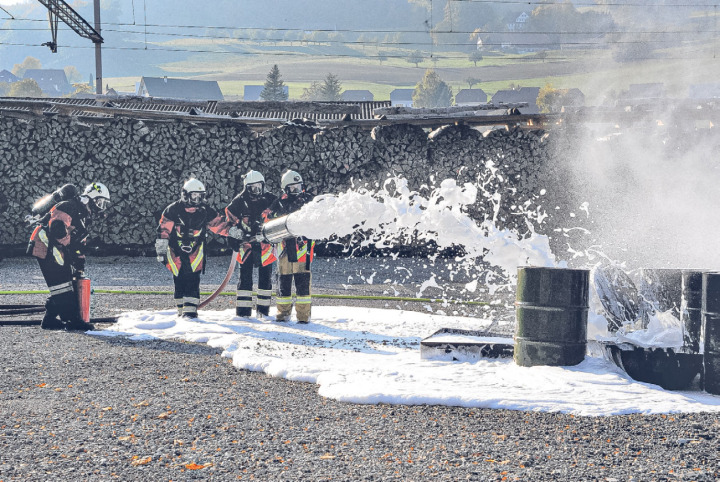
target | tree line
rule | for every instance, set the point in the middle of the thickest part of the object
(431, 91)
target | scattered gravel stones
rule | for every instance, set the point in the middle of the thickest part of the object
(79, 407)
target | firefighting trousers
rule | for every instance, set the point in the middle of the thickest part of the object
(244, 300)
(63, 301)
(187, 292)
(299, 273)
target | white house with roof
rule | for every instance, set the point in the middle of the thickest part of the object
(470, 97)
(183, 89)
(357, 96)
(518, 22)
(401, 97)
(527, 95)
(52, 82)
(8, 77)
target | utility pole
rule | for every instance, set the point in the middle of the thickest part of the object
(60, 10)
(98, 52)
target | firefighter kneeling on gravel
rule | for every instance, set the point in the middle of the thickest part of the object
(244, 219)
(181, 243)
(58, 243)
(296, 254)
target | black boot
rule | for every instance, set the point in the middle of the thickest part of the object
(70, 312)
(80, 325)
(51, 321)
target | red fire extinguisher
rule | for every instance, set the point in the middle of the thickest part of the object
(83, 291)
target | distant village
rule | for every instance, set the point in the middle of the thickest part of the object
(54, 84)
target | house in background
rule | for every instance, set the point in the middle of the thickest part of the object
(8, 77)
(642, 94)
(357, 96)
(52, 82)
(573, 97)
(695, 91)
(516, 22)
(523, 94)
(252, 92)
(182, 89)
(401, 97)
(470, 97)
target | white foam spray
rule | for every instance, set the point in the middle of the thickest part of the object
(396, 214)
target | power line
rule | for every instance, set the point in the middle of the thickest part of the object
(444, 32)
(596, 37)
(331, 55)
(288, 29)
(603, 32)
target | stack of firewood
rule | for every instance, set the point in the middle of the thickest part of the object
(145, 162)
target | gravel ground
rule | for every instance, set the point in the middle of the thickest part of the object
(77, 407)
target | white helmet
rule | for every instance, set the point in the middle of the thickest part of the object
(254, 183)
(193, 192)
(99, 194)
(292, 179)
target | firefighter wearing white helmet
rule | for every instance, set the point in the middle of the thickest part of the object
(97, 195)
(244, 217)
(296, 254)
(180, 244)
(58, 242)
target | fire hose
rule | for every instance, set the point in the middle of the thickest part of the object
(230, 271)
(272, 232)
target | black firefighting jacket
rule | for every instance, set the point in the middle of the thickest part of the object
(62, 233)
(185, 227)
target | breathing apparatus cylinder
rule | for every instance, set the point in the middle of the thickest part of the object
(46, 203)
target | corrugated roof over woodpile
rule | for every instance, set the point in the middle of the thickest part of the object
(259, 115)
(189, 107)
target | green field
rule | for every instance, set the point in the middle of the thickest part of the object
(595, 72)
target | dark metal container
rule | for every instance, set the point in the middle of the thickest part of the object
(691, 309)
(710, 332)
(551, 310)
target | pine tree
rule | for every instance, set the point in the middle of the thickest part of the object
(331, 88)
(327, 90)
(274, 88)
(431, 91)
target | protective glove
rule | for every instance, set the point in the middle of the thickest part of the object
(79, 263)
(161, 247)
(237, 233)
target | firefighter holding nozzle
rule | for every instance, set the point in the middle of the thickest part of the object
(244, 219)
(58, 242)
(296, 254)
(180, 245)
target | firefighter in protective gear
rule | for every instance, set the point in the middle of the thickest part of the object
(58, 243)
(180, 245)
(244, 217)
(296, 254)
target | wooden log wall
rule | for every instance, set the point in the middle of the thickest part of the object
(144, 163)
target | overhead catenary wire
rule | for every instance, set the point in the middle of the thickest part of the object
(596, 39)
(331, 55)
